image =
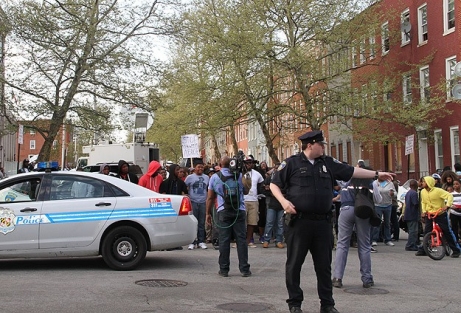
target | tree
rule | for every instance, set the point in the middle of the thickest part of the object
(80, 60)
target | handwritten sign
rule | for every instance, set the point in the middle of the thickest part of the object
(190, 146)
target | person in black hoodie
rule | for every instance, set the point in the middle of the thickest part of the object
(173, 185)
(123, 172)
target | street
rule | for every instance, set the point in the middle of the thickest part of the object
(187, 281)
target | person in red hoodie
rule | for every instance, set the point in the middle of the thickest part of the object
(152, 180)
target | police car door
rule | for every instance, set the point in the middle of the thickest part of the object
(20, 212)
(76, 211)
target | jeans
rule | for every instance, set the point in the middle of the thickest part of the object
(413, 230)
(228, 222)
(274, 224)
(395, 223)
(385, 214)
(346, 222)
(199, 211)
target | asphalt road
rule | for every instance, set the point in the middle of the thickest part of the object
(403, 283)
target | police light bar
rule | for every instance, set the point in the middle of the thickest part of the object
(47, 165)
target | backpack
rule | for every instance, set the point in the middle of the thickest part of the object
(231, 192)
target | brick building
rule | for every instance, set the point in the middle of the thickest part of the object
(421, 33)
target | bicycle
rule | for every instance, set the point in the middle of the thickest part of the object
(434, 243)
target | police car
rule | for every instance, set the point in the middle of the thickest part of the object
(71, 214)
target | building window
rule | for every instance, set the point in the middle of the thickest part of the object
(385, 38)
(55, 144)
(340, 152)
(450, 75)
(333, 151)
(363, 57)
(372, 41)
(424, 83)
(448, 16)
(406, 89)
(422, 24)
(405, 32)
(32, 145)
(454, 142)
(354, 57)
(438, 149)
(32, 131)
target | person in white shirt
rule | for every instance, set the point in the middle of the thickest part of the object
(251, 199)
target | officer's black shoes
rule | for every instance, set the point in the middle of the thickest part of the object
(368, 284)
(246, 274)
(328, 309)
(223, 274)
(455, 255)
(420, 253)
(337, 283)
(296, 309)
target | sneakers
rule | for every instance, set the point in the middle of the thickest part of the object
(411, 249)
(203, 245)
(246, 274)
(374, 244)
(368, 284)
(261, 239)
(280, 245)
(296, 309)
(191, 247)
(373, 250)
(455, 255)
(420, 253)
(390, 243)
(266, 244)
(223, 274)
(251, 245)
(234, 245)
(337, 283)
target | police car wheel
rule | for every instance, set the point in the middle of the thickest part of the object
(124, 248)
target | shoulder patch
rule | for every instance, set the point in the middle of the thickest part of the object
(281, 166)
(336, 161)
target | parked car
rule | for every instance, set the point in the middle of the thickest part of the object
(70, 214)
(135, 169)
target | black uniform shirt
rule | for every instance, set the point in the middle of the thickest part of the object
(310, 186)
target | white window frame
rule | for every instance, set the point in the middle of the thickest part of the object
(450, 75)
(454, 145)
(406, 89)
(354, 57)
(424, 83)
(363, 57)
(422, 24)
(385, 43)
(438, 140)
(446, 16)
(32, 145)
(372, 41)
(32, 131)
(405, 17)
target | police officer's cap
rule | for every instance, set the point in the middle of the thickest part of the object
(313, 137)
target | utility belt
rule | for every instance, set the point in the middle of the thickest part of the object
(313, 216)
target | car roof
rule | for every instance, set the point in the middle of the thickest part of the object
(128, 187)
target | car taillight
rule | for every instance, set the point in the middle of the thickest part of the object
(186, 206)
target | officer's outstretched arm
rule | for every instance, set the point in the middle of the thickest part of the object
(287, 205)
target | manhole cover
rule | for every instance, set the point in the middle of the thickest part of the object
(244, 307)
(366, 291)
(161, 283)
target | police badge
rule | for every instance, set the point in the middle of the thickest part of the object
(6, 220)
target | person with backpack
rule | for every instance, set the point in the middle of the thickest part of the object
(228, 188)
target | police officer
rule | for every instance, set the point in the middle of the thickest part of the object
(308, 180)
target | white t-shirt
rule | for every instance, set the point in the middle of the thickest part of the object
(256, 179)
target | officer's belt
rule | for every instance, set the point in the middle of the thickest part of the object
(313, 216)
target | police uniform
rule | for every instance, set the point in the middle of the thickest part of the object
(310, 188)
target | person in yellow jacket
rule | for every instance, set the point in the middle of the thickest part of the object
(432, 199)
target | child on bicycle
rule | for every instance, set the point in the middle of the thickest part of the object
(432, 199)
